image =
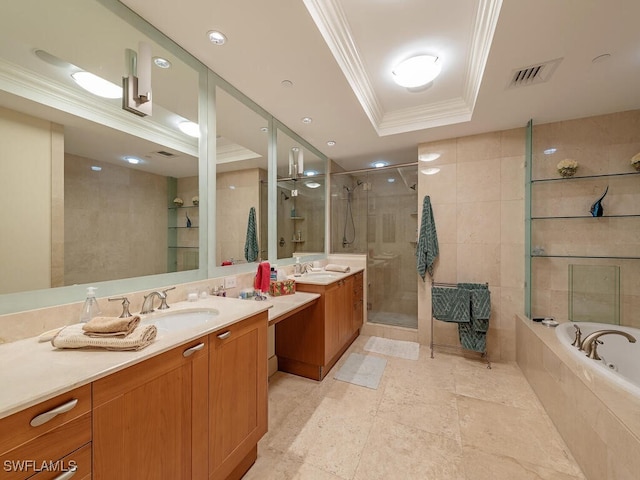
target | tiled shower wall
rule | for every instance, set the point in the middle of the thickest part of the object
(478, 204)
(602, 145)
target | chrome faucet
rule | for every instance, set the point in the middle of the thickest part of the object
(147, 304)
(591, 342)
(577, 341)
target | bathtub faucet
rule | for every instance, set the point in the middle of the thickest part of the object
(590, 342)
(577, 342)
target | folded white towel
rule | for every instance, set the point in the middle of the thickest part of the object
(332, 267)
(73, 336)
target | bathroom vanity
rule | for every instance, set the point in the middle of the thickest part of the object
(310, 342)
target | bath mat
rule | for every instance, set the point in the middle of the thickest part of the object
(362, 370)
(393, 348)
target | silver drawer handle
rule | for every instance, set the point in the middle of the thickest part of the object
(46, 416)
(68, 474)
(224, 335)
(190, 351)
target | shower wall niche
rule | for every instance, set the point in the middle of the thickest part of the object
(375, 213)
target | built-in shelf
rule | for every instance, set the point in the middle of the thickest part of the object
(564, 179)
(195, 248)
(183, 206)
(296, 218)
(586, 256)
(297, 241)
(414, 214)
(190, 228)
(584, 216)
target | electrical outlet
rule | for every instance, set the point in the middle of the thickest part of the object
(230, 282)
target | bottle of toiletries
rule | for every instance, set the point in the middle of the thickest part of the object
(297, 268)
(90, 308)
(274, 273)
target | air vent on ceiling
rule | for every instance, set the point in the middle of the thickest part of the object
(533, 74)
(166, 154)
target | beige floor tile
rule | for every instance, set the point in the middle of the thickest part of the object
(519, 433)
(272, 465)
(396, 451)
(479, 465)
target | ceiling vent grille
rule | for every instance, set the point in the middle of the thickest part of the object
(166, 154)
(533, 74)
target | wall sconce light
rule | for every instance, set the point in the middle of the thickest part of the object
(296, 162)
(137, 86)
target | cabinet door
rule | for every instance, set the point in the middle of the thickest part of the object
(334, 309)
(149, 420)
(346, 314)
(237, 395)
(358, 302)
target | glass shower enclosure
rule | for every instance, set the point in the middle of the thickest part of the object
(374, 212)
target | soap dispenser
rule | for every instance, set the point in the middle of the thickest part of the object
(90, 308)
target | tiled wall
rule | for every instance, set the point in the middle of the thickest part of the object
(598, 420)
(110, 216)
(478, 204)
(601, 145)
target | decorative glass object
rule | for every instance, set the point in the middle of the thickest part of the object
(594, 293)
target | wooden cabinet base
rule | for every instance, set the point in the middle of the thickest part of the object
(308, 370)
(244, 465)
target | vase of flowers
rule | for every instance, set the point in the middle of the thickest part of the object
(635, 161)
(567, 167)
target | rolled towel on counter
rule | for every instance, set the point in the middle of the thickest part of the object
(332, 267)
(110, 326)
(73, 336)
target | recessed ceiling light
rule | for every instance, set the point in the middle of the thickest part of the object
(95, 168)
(232, 187)
(161, 62)
(97, 85)
(428, 157)
(286, 83)
(216, 37)
(379, 164)
(307, 120)
(391, 180)
(550, 151)
(416, 71)
(264, 129)
(132, 160)
(430, 171)
(312, 184)
(189, 128)
(310, 173)
(331, 143)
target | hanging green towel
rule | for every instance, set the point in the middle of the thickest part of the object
(427, 249)
(251, 243)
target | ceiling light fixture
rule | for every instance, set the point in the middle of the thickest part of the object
(310, 173)
(264, 129)
(132, 160)
(379, 164)
(161, 62)
(416, 71)
(312, 184)
(430, 171)
(391, 180)
(428, 157)
(307, 120)
(286, 83)
(97, 85)
(189, 128)
(216, 37)
(95, 168)
(550, 151)
(331, 143)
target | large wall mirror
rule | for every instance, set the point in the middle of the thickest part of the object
(242, 143)
(300, 198)
(93, 193)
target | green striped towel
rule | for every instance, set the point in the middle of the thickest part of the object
(427, 249)
(251, 243)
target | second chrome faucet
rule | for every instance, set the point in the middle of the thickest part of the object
(590, 343)
(147, 304)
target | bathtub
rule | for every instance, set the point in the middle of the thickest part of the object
(595, 405)
(620, 359)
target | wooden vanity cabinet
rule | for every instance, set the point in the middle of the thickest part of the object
(50, 438)
(150, 419)
(310, 342)
(238, 383)
(358, 301)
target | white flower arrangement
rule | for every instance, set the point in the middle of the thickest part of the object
(567, 167)
(635, 161)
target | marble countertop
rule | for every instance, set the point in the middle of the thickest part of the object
(34, 371)
(324, 277)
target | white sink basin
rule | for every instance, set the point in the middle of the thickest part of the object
(182, 320)
(320, 275)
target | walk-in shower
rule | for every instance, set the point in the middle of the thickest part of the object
(374, 212)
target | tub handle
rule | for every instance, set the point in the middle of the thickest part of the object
(577, 342)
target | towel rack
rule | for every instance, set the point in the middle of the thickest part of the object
(484, 354)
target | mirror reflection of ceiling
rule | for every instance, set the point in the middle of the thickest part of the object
(311, 162)
(59, 28)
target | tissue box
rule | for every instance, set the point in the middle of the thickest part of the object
(285, 287)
